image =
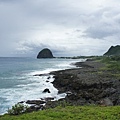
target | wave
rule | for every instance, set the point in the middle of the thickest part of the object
(26, 86)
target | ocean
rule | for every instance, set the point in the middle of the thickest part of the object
(18, 83)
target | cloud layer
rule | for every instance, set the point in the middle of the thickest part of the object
(67, 27)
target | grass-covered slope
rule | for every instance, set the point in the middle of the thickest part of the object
(112, 64)
(71, 113)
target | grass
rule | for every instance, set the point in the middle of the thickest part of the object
(79, 112)
(112, 65)
(70, 113)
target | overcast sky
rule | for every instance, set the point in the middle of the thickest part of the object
(67, 27)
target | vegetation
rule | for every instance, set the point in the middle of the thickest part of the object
(18, 109)
(112, 62)
(70, 113)
(112, 65)
(114, 50)
(76, 57)
(66, 112)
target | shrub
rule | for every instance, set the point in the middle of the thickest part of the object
(17, 109)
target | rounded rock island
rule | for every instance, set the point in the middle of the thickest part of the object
(45, 53)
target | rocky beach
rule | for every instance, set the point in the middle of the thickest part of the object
(87, 84)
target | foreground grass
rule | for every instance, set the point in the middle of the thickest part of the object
(70, 113)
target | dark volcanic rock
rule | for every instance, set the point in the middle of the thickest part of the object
(106, 102)
(45, 53)
(46, 90)
(87, 85)
(83, 86)
(33, 108)
(36, 102)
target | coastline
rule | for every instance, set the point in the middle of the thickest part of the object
(87, 85)
(84, 85)
(21, 79)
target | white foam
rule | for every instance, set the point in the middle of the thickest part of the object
(31, 87)
(47, 71)
(64, 65)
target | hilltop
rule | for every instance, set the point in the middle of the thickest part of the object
(113, 50)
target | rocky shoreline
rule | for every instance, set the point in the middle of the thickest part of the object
(85, 85)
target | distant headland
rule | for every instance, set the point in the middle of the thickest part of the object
(113, 50)
(47, 53)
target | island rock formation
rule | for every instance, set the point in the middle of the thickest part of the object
(45, 53)
(113, 50)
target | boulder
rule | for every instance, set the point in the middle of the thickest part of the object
(34, 108)
(46, 90)
(45, 53)
(36, 102)
(106, 102)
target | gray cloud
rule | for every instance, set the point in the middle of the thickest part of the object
(69, 28)
(105, 24)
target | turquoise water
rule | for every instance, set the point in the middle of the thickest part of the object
(18, 83)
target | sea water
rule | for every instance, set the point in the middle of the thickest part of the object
(19, 83)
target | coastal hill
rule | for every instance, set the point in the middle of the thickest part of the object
(45, 53)
(113, 50)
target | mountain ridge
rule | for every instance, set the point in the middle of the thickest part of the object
(113, 50)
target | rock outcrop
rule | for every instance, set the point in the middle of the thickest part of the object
(88, 85)
(46, 90)
(113, 50)
(45, 53)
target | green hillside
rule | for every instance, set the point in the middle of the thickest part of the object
(113, 50)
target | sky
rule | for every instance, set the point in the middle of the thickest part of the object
(66, 27)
